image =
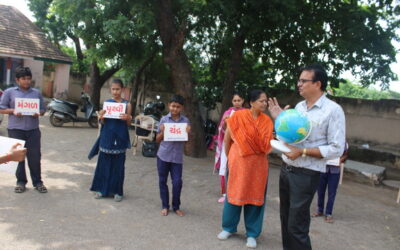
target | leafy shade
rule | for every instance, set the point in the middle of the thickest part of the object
(348, 89)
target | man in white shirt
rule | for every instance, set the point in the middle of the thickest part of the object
(300, 173)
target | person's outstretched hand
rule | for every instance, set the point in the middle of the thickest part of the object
(17, 154)
(274, 108)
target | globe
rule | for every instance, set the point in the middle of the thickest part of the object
(292, 127)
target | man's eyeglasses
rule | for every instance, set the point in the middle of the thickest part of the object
(302, 81)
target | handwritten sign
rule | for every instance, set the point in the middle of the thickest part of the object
(27, 106)
(175, 132)
(5, 146)
(114, 109)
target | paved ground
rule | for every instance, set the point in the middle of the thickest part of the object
(68, 217)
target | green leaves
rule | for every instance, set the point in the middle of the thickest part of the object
(348, 89)
(280, 36)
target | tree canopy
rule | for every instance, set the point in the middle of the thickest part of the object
(215, 47)
(349, 89)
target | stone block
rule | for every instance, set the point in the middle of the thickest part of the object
(363, 172)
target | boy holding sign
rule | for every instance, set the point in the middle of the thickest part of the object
(172, 133)
(24, 105)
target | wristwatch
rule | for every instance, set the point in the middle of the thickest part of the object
(304, 154)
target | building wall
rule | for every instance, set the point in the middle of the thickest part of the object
(61, 80)
(37, 71)
(372, 121)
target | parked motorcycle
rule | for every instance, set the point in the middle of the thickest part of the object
(154, 109)
(210, 129)
(63, 111)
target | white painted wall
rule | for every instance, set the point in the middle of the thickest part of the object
(61, 80)
(37, 71)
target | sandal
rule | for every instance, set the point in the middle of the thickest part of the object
(317, 214)
(329, 219)
(19, 189)
(41, 188)
(98, 195)
(117, 198)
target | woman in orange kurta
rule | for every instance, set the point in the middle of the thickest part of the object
(247, 143)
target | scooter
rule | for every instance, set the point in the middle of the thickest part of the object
(62, 112)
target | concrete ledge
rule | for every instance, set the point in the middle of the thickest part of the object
(363, 172)
(392, 184)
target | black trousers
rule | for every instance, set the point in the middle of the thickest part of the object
(297, 187)
(32, 144)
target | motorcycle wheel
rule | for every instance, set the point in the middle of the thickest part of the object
(93, 122)
(55, 121)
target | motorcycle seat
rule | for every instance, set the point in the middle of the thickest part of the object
(71, 104)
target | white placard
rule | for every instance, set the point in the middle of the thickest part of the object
(27, 106)
(175, 132)
(114, 109)
(5, 145)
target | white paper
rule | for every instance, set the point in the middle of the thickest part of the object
(175, 132)
(114, 109)
(334, 162)
(279, 146)
(5, 145)
(27, 106)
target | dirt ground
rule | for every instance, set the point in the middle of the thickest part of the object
(68, 217)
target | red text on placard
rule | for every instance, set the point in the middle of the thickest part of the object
(174, 130)
(118, 108)
(24, 104)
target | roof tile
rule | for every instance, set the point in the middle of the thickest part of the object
(19, 36)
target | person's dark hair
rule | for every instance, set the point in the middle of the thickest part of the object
(118, 81)
(178, 99)
(254, 95)
(238, 94)
(319, 74)
(23, 71)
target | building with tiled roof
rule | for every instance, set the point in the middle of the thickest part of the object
(22, 43)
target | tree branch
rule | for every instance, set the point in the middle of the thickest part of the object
(109, 73)
(78, 48)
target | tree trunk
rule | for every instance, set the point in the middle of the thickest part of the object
(94, 74)
(78, 49)
(97, 81)
(232, 72)
(174, 55)
(137, 82)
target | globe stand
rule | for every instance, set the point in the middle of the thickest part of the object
(280, 146)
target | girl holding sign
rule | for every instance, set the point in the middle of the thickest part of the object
(111, 145)
(220, 156)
